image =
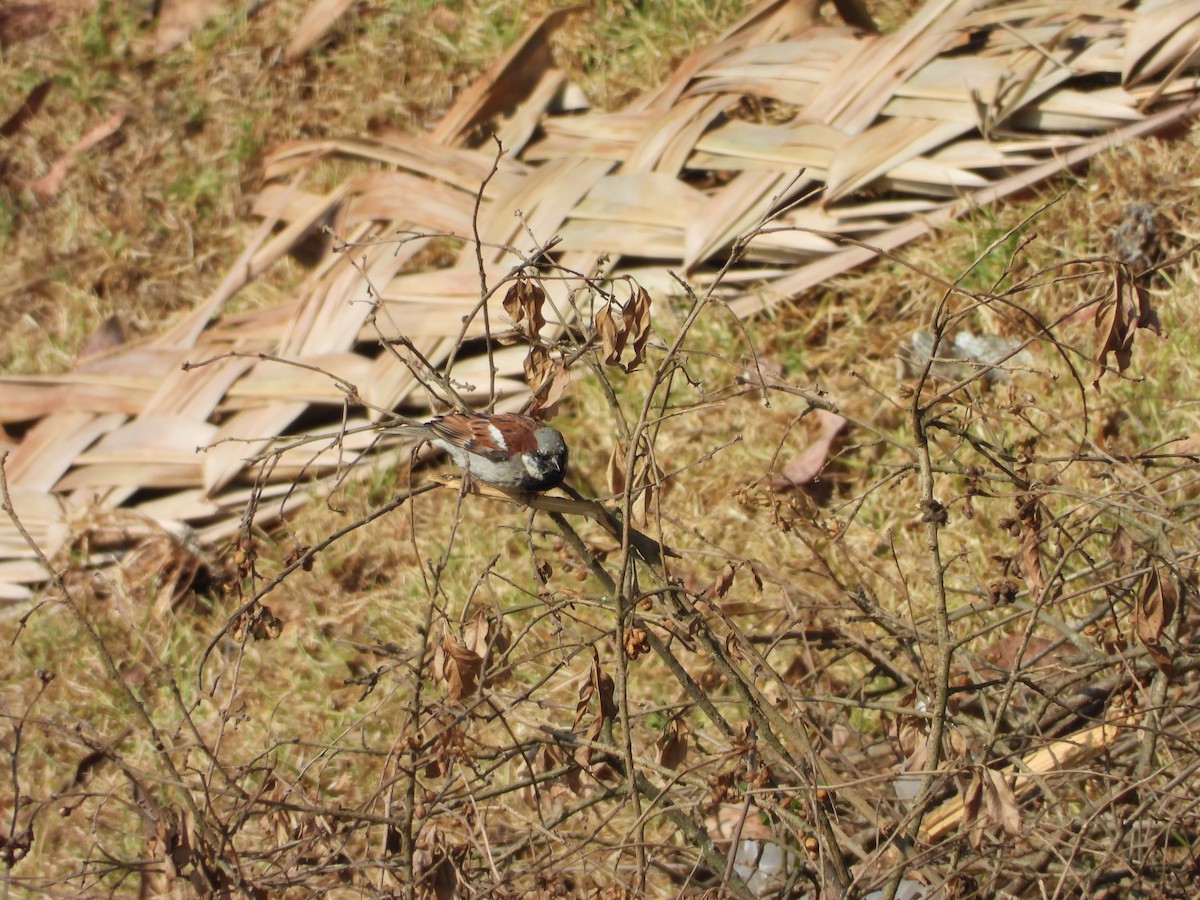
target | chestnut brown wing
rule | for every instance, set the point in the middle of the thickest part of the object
(495, 437)
(519, 432)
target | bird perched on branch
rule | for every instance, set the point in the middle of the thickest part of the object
(506, 450)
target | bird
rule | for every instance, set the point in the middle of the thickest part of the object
(506, 450)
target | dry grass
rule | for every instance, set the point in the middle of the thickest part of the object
(150, 219)
(307, 744)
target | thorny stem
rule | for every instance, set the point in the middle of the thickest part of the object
(14, 755)
(408, 817)
(933, 514)
(483, 285)
(408, 813)
(625, 608)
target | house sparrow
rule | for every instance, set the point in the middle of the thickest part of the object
(507, 450)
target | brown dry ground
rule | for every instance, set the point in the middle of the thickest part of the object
(146, 221)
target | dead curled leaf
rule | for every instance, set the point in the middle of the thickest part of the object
(626, 325)
(672, 745)
(599, 685)
(1153, 613)
(488, 637)
(614, 471)
(551, 758)
(911, 733)
(462, 664)
(436, 862)
(1124, 310)
(719, 588)
(989, 802)
(807, 467)
(1029, 555)
(458, 666)
(547, 378)
(648, 484)
(1120, 546)
(523, 303)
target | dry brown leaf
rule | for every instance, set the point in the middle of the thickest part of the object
(1153, 613)
(648, 481)
(910, 733)
(652, 483)
(614, 471)
(317, 19)
(523, 302)
(433, 865)
(488, 638)
(547, 378)
(461, 668)
(28, 109)
(672, 745)
(611, 337)
(549, 758)
(50, 183)
(911, 737)
(477, 633)
(1118, 317)
(988, 802)
(719, 588)
(1120, 546)
(626, 325)
(1029, 555)
(583, 755)
(1002, 803)
(807, 467)
(599, 686)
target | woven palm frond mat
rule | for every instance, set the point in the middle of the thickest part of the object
(875, 139)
